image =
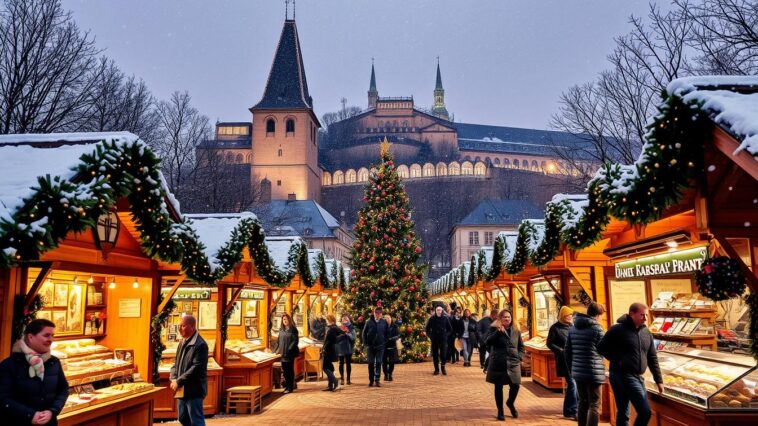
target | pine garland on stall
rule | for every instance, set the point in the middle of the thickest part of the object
(156, 328)
(551, 242)
(521, 253)
(752, 301)
(384, 261)
(23, 315)
(498, 258)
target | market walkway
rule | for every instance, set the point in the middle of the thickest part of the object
(415, 397)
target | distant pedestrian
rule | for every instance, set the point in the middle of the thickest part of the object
(585, 362)
(437, 330)
(556, 341)
(469, 338)
(504, 368)
(190, 373)
(374, 337)
(286, 346)
(318, 327)
(33, 387)
(629, 347)
(330, 352)
(390, 349)
(345, 347)
(484, 329)
(457, 326)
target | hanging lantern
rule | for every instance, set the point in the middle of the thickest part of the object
(106, 232)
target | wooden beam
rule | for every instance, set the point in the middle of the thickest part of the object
(235, 296)
(750, 278)
(723, 192)
(528, 299)
(44, 272)
(170, 293)
(587, 287)
(727, 145)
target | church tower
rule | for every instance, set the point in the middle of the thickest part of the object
(439, 110)
(285, 128)
(373, 94)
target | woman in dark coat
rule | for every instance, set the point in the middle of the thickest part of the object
(330, 351)
(390, 349)
(286, 346)
(345, 347)
(504, 339)
(33, 388)
(556, 342)
(469, 337)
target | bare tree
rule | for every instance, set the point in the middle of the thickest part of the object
(217, 185)
(725, 33)
(121, 103)
(181, 128)
(46, 67)
(609, 116)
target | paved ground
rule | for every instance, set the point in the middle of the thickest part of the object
(415, 397)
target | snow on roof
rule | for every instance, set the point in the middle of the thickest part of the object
(313, 255)
(577, 204)
(328, 218)
(215, 230)
(489, 252)
(539, 234)
(279, 251)
(510, 238)
(683, 85)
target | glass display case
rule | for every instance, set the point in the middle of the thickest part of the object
(537, 342)
(706, 379)
(545, 308)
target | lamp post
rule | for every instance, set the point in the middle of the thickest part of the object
(106, 232)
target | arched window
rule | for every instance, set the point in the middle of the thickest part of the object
(402, 171)
(515, 163)
(339, 177)
(441, 169)
(350, 176)
(415, 171)
(290, 127)
(487, 160)
(326, 178)
(478, 158)
(428, 170)
(543, 166)
(480, 169)
(249, 158)
(535, 166)
(229, 157)
(467, 168)
(497, 161)
(525, 164)
(363, 175)
(270, 127)
(506, 163)
(239, 158)
(280, 152)
(454, 169)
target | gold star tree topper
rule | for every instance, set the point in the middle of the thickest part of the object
(384, 147)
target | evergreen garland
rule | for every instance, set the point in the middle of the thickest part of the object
(472, 277)
(521, 253)
(720, 278)
(225, 323)
(752, 300)
(23, 315)
(498, 258)
(156, 328)
(551, 242)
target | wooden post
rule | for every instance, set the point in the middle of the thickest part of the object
(44, 272)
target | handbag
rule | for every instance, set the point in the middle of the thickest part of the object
(398, 345)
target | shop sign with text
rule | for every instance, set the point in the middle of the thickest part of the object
(680, 262)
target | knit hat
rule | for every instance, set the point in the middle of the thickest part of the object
(565, 310)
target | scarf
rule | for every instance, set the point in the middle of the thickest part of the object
(36, 360)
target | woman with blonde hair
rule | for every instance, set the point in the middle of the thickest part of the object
(286, 346)
(330, 351)
(507, 350)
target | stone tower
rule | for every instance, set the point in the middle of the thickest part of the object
(373, 94)
(439, 110)
(285, 128)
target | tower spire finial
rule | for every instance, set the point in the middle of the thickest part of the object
(286, 9)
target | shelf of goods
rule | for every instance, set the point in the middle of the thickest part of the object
(165, 403)
(85, 362)
(124, 404)
(684, 321)
(543, 364)
(247, 364)
(704, 388)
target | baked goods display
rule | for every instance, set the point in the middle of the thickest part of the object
(260, 356)
(77, 401)
(243, 346)
(537, 342)
(166, 364)
(743, 393)
(93, 366)
(80, 347)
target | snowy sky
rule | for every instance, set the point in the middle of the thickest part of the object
(503, 62)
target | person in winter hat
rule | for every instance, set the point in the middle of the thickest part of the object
(585, 362)
(556, 342)
(629, 347)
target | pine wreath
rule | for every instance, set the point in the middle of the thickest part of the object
(720, 278)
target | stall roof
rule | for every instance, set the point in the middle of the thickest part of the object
(215, 231)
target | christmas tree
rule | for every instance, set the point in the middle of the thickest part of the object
(384, 261)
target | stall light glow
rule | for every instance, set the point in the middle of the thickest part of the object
(672, 244)
(48, 281)
(112, 285)
(135, 284)
(76, 279)
(90, 280)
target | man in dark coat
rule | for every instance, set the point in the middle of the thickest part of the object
(484, 328)
(374, 337)
(556, 342)
(457, 326)
(585, 362)
(629, 347)
(190, 373)
(33, 388)
(437, 330)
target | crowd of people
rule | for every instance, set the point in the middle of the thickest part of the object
(33, 387)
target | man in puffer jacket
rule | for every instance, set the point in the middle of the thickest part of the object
(629, 347)
(585, 362)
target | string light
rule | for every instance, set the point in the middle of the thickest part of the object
(135, 284)
(112, 285)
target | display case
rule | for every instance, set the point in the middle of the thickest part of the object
(247, 363)
(165, 403)
(546, 308)
(543, 370)
(683, 320)
(86, 362)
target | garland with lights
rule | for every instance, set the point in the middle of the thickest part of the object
(551, 242)
(23, 315)
(521, 252)
(156, 328)
(752, 301)
(720, 278)
(225, 323)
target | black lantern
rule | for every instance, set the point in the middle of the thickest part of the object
(106, 232)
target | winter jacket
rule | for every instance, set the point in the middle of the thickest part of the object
(286, 344)
(374, 334)
(505, 359)
(21, 396)
(457, 326)
(556, 342)
(630, 350)
(390, 351)
(318, 328)
(438, 328)
(330, 343)
(346, 342)
(582, 357)
(473, 330)
(483, 327)
(191, 367)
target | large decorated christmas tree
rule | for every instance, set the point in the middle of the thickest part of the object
(385, 255)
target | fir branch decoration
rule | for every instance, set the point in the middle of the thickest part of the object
(156, 328)
(23, 315)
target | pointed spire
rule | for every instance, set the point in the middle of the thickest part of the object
(373, 94)
(286, 86)
(439, 76)
(372, 85)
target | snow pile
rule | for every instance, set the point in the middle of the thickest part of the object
(214, 231)
(279, 249)
(576, 204)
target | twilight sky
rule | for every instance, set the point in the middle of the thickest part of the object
(504, 62)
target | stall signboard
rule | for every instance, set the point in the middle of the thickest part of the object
(189, 293)
(251, 295)
(680, 262)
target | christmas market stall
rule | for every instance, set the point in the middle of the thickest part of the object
(83, 218)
